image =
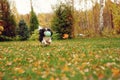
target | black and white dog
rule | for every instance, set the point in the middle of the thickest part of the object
(45, 36)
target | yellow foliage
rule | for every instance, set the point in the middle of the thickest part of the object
(1, 28)
(19, 70)
(100, 76)
(65, 68)
(52, 78)
(0, 33)
(37, 63)
(115, 72)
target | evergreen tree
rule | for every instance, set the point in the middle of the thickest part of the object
(33, 21)
(63, 20)
(9, 23)
(23, 31)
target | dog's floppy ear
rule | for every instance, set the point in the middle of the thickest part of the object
(41, 34)
(51, 33)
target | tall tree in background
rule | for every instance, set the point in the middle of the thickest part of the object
(108, 16)
(101, 26)
(86, 13)
(33, 20)
(73, 26)
(9, 23)
(14, 11)
(63, 20)
(116, 16)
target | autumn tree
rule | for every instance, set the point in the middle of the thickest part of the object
(116, 17)
(7, 17)
(73, 26)
(96, 16)
(101, 25)
(14, 11)
(1, 29)
(45, 19)
(108, 17)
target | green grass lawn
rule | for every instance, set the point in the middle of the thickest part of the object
(75, 59)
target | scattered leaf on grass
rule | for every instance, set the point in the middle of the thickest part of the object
(116, 71)
(19, 70)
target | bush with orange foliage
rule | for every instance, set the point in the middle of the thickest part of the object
(1, 29)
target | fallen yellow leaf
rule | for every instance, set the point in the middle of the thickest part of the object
(116, 71)
(19, 70)
(100, 76)
(8, 63)
(52, 78)
(65, 68)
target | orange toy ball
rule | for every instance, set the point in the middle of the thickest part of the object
(65, 36)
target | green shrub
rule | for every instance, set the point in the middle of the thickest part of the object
(35, 35)
(23, 31)
(63, 20)
(5, 38)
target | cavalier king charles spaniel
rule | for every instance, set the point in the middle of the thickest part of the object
(45, 36)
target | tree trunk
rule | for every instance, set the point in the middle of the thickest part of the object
(73, 27)
(111, 17)
(101, 26)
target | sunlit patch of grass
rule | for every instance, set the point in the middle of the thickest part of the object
(75, 59)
